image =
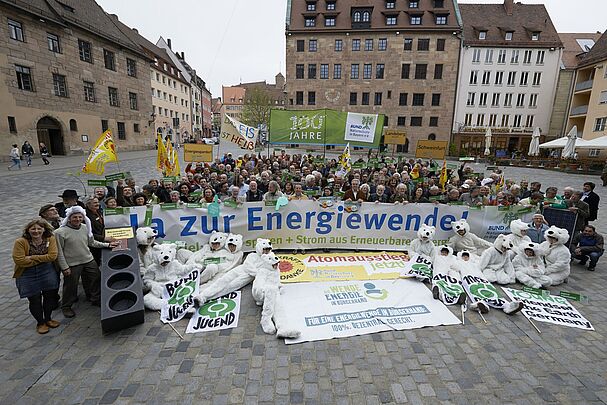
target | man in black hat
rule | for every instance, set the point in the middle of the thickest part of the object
(70, 198)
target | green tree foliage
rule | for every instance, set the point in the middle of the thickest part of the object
(256, 110)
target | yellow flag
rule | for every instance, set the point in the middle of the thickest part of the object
(161, 156)
(169, 157)
(415, 172)
(443, 175)
(176, 168)
(103, 152)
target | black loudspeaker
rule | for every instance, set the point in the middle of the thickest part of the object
(121, 288)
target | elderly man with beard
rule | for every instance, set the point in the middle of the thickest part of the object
(75, 259)
(49, 213)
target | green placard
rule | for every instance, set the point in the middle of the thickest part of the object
(359, 165)
(536, 291)
(114, 211)
(172, 179)
(270, 203)
(230, 203)
(339, 194)
(573, 296)
(148, 216)
(169, 206)
(195, 205)
(195, 194)
(118, 176)
(455, 203)
(435, 197)
(503, 208)
(211, 260)
(180, 244)
(311, 193)
(466, 159)
(97, 182)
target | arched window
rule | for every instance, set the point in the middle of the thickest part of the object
(366, 16)
(356, 16)
(73, 125)
(432, 137)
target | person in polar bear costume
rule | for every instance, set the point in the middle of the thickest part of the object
(446, 279)
(424, 244)
(496, 264)
(518, 236)
(229, 257)
(146, 240)
(480, 291)
(238, 277)
(556, 255)
(216, 243)
(165, 269)
(466, 240)
(266, 293)
(529, 266)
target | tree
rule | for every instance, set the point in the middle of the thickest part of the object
(256, 110)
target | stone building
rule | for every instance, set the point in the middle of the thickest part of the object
(68, 73)
(398, 58)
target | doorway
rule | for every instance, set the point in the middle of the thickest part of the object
(49, 132)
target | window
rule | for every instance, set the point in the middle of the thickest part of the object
(366, 16)
(89, 92)
(367, 70)
(482, 100)
(131, 67)
(300, 45)
(24, 78)
(520, 100)
(379, 71)
(85, 51)
(527, 57)
(440, 44)
(339, 45)
(354, 71)
(537, 78)
(402, 99)
(438, 71)
(12, 125)
(508, 100)
(382, 44)
(353, 98)
(405, 70)
(312, 71)
(495, 100)
(439, 3)
(104, 125)
(511, 78)
(480, 120)
(121, 131)
(533, 100)
(73, 125)
(59, 85)
(408, 44)
(518, 118)
(492, 120)
(433, 122)
(508, 36)
(133, 101)
(413, 3)
(299, 71)
(390, 4)
(311, 6)
(600, 124)
(423, 44)
(435, 99)
(400, 121)
(420, 70)
(16, 30)
(473, 76)
(594, 152)
(482, 35)
(330, 5)
(113, 96)
(310, 22)
(489, 56)
(468, 120)
(356, 16)
(529, 121)
(109, 59)
(505, 120)
(337, 71)
(441, 19)
(299, 98)
(368, 44)
(365, 99)
(524, 78)
(539, 60)
(499, 78)
(535, 36)
(312, 45)
(603, 97)
(136, 128)
(378, 97)
(356, 44)
(501, 56)
(486, 77)
(471, 98)
(514, 57)
(311, 98)
(53, 43)
(416, 121)
(324, 71)
(415, 20)
(476, 56)
(418, 99)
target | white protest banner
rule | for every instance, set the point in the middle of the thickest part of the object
(549, 308)
(308, 225)
(419, 266)
(217, 314)
(178, 297)
(348, 308)
(238, 133)
(360, 127)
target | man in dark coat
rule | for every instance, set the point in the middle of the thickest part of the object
(70, 198)
(592, 199)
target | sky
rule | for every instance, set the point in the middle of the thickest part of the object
(234, 41)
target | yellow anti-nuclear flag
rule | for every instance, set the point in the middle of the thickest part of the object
(176, 168)
(161, 157)
(103, 152)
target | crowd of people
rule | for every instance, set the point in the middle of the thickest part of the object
(68, 237)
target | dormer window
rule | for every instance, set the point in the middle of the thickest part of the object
(390, 4)
(535, 36)
(413, 4)
(482, 35)
(330, 5)
(441, 19)
(508, 36)
(310, 22)
(439, 3)
(367, 17)
(311, 6)
(391, 19)
(356, 16)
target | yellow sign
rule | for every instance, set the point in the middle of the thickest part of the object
(341, 266)
(194, 152)
(119, 233)
(394, 137)
(103, 152)
(431, 149)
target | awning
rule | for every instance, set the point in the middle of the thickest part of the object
(560, 143)
(596, 143)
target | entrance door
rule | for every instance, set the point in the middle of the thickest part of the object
(49, 132)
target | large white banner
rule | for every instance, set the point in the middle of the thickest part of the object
(360, 127)
(178, 296)
(238, 133)
(549, 308)
(217, 314)
(348, 308)
(309, 225)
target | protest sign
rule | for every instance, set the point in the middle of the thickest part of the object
(178, 296)
(217, 314)
(194, 152)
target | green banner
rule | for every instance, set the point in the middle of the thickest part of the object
(118, 176)
(96, 182)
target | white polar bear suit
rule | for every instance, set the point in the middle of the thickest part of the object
(556, 254)
(466, 240)
(446, 279)
(518, 237)
(424, 244)
(496, 264)
(530, 270)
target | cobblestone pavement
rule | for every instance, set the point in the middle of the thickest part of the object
(503, 362)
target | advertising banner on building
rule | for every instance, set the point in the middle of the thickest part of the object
(350, 308)
(309, 225)
(342, 266)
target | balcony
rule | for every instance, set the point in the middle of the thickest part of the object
(581, 86)
(579, 110)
